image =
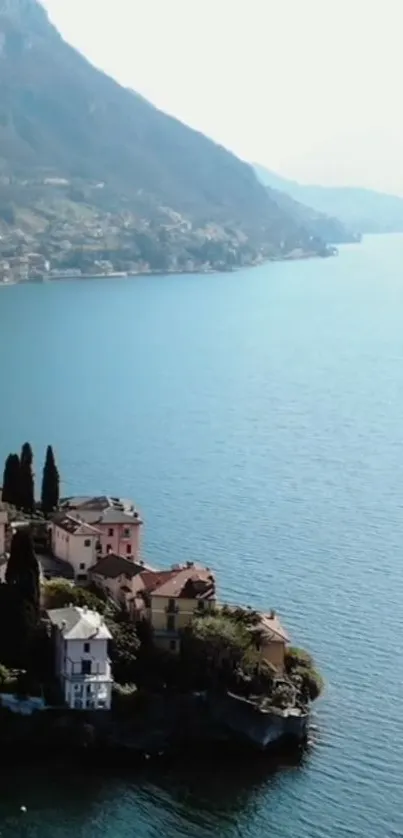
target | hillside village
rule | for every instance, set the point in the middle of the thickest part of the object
(78, 562)
(53, 228)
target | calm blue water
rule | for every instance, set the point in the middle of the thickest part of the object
(257, 419)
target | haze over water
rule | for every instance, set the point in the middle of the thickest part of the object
(257, 420)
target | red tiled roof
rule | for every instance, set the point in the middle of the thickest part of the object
(153, 579)
(186, 582)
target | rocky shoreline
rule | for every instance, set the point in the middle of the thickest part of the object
(165, 726)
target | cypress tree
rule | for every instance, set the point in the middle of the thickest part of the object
(50, 483)
(23, 568)
(23, 592)
(11, 480)
(27, 491)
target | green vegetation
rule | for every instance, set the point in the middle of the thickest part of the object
(19, 604)
(9, 680)
(19, 483)
(222, 649)
(26, 487)
(124, 648)
(300, 667)
(11, 480)
(50, 483)
(23, 569)
(60, 593)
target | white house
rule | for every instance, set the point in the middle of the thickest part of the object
(3, 568)
(81, 657)
(3, 525)
(117, 519)
(75, 542)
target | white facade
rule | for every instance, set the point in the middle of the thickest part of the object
(3, 524)
(3, 569)
(75, 543)
(81, 658)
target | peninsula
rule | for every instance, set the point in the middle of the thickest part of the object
(100, 647)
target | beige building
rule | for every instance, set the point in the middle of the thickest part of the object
(166, 599)
(118, 578)
(76, 543)
(272, 640)
(171, 598)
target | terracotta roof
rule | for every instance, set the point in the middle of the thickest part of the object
(187, 582)
(153, 579)
(112, 566)
(271, 629)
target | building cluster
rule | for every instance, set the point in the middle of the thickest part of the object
(98, 540)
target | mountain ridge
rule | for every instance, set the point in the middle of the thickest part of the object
(361, 209)
(77, 149)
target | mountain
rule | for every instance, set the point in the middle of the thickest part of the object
(361, 210)
(318, 224)
(93, 176)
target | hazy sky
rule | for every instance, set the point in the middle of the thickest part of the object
(310, 88)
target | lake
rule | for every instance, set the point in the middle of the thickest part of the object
(256, 418)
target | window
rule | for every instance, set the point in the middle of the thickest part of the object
(171, 605)
(87, 648)
(110, 532)
(172, 645)
(170, 623)
(82, 566)
(85, 667)
(109, 548)
(126, 532)
(200, 605)
(87, 542)
(129, 549)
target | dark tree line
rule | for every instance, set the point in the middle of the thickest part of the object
(19, 603)
(19, 481)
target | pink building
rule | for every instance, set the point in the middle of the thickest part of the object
(117, 520)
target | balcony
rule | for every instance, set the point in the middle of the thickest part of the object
(97, 671)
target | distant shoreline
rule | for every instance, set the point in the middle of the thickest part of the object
(332, 251)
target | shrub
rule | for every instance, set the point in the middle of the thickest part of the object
(59, 593)
(9, 680)
(124, 697)
(311, 683)
(295, 657)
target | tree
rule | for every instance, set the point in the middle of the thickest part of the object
(50, 483)
(11, 480)
(19, 603)
(123, 650)
(59, 593)
(23, 569)
(27, 491)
